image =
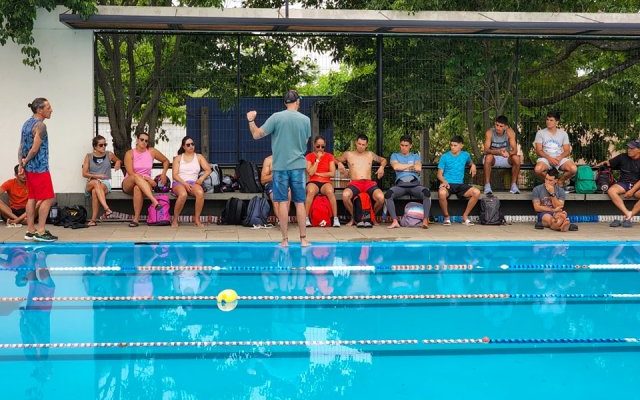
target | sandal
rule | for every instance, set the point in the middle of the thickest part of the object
(13, 225)
(446, 222)
(133, 224)
(467, 222)
(91, 223)
(107, 213)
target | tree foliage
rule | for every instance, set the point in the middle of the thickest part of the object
(17, 18)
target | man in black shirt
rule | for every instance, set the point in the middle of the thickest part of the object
(628, 185)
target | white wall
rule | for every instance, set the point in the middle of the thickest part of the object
(66, 81)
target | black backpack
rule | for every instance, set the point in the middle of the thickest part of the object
(604, 179)
(73, 217)
(234, 213)
(490, 213)
(257, 212)
(248, 177)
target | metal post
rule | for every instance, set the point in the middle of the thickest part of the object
(379, 94)
(238, 100)
(516, 93)
(286, 8)
(95, 87)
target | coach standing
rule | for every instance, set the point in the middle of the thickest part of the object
(33, 157)
(290, 131)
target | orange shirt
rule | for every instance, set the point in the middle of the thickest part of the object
(18, 193)
(323, 166)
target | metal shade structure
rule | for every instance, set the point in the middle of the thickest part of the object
(449, 23)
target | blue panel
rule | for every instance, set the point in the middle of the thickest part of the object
(229, 136)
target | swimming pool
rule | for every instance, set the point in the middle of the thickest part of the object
(333, 321)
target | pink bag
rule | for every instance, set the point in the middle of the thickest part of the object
(160, 216)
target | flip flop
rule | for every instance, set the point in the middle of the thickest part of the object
(447, 222)
(91, 223)
(13, 225)
(467, 222)
(133, 224)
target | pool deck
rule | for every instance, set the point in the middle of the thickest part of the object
(120, 232)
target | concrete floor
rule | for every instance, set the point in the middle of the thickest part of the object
(120, 232)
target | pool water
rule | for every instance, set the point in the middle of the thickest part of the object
(333, 321)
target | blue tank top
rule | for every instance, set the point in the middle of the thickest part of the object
(40, 163)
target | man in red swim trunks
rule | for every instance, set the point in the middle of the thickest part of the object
(360, 162)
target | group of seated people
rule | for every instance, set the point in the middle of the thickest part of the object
(191, 169)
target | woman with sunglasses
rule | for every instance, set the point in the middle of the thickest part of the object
(321, 168)
(138, 163)
(96, 167)
(186, 168)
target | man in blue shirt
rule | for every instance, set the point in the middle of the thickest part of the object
(290, 131)
(408, 167)
(451, 176)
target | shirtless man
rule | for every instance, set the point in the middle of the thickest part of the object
(360, 174)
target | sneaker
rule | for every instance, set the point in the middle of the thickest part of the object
(336, 222)
(627, 223)
(487, 188)
(514, 189)
(538, 225)
(44, 237)
(308, 222)
(615, 224)
(368, 224)
(360, 224)
(29, 235)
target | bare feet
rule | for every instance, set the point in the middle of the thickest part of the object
(425, 223)
(198, 224)
(174, 222)
(303, 241)
(351, 222)
(394, 224)
(565, 225)
(284, 242)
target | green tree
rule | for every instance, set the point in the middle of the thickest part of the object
(17, 18)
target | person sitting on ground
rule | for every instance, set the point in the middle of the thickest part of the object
(96, 168)
(501, 151)
(16, 189)
(548, 202)
(408, 167)
(360, 162)
(266, 179)
(186, 182)
(138, 163)
(451, 176)
(628, 186)
(553, 149)
(321, 168)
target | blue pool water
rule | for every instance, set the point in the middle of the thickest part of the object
(333, 321)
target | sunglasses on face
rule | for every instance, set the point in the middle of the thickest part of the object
(101, 145)
(319, 146)
(190, 144)
(143, 140)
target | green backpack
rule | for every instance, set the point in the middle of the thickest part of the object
(585, 180)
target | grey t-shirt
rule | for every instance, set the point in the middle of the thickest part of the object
(552, 143)
(290, 131)
(541, 193)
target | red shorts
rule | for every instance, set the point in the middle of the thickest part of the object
(362, 185)
(39, 185)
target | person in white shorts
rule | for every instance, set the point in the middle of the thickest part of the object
(554, 150)
(501, 151)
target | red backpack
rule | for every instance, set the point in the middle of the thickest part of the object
(363, 208)
(320, 213)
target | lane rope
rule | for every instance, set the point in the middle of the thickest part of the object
(314, 343)
(386, 297)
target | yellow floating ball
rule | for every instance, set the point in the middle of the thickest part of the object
(227, 300)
